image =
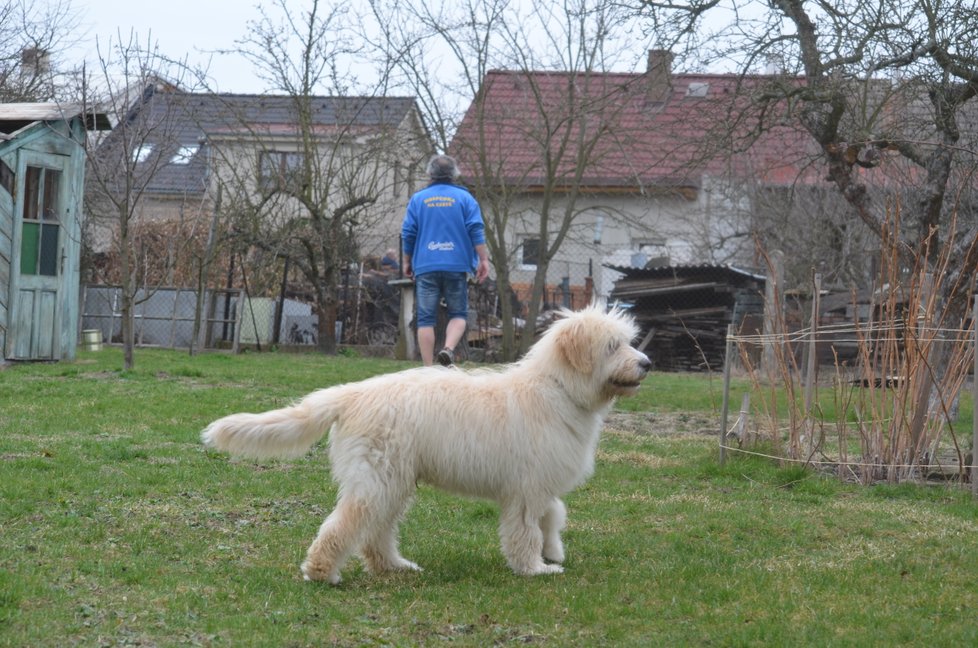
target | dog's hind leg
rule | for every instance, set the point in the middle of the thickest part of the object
(380, 552)
(551, 524)
(338, 537)
(522, 538)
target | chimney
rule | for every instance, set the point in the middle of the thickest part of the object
(773, 64)
(659, 73)
(34, 62)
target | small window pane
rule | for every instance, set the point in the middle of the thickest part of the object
(32, 191)
(30, 239)
(49, 250)
(51, 207)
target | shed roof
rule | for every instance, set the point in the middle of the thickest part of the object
(16, 116)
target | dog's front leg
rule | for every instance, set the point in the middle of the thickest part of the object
(522, 538)
(551, 524)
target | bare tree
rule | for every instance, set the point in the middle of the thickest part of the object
(33, 36)
(566, 108)
(123, 164)
(327, 176)
(885, 91)
(886, 94)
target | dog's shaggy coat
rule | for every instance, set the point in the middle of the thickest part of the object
(523, 436)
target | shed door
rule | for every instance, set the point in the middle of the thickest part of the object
(35, 331)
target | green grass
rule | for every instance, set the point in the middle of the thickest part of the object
(116, 528)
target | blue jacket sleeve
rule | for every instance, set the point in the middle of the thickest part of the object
(409, 229)
(474, 223)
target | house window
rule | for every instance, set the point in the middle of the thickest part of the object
(184, 155)
(280, 170)
(697, 89)
(40, 231)
(529, 253)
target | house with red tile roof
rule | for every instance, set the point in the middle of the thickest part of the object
(629, 168)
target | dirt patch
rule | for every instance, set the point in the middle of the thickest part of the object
(662, 423)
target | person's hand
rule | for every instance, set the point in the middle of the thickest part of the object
(407, 269)
(482, 271)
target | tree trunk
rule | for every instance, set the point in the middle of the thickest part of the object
(326, 309)
(128, 295)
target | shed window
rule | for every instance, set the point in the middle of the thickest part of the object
(41, 228)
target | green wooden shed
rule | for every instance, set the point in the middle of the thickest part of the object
(42, 174)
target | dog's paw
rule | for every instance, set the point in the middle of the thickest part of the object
(310, 573)
(541, 569)
(403, 564)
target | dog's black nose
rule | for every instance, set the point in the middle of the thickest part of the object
(645, 364)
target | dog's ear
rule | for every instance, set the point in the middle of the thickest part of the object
(575, 346)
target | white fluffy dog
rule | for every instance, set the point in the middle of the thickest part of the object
(522, 436)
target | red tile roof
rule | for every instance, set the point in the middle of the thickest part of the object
(636, 136)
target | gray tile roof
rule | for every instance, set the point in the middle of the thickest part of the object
(172, 119)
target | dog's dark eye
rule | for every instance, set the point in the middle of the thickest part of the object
(613, 347)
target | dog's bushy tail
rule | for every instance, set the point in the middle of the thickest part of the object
(277, 434)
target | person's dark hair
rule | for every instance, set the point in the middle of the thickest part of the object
(443, 167)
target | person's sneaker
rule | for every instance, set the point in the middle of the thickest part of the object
(445, 357)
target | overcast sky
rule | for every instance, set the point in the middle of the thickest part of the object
(179, 27)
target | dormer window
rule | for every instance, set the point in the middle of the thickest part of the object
(697, 89)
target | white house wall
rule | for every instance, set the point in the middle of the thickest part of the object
(633, 231)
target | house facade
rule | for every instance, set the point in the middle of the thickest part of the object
(628, 170)
(190, 159)
(42, 175)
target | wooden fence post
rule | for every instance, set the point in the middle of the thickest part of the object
(727, 361)
(773, 313)
(812, 364)
(974, 406)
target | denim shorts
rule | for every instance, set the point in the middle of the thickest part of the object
(431, 286)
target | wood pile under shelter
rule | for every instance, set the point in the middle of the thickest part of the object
(684, 311)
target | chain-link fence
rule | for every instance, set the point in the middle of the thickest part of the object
(163, 317)
(265, 304)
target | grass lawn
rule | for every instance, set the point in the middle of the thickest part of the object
(117, 529)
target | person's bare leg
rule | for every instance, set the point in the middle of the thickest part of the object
(426, 344)
(453, 332)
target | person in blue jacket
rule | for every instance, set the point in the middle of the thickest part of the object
(443, 239)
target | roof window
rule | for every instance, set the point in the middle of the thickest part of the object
(141, 152)
(697, 89)
(183, 155)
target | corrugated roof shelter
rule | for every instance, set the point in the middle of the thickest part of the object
(42, 172)
(683, 311)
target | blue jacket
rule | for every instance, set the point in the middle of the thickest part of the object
(442, 226)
